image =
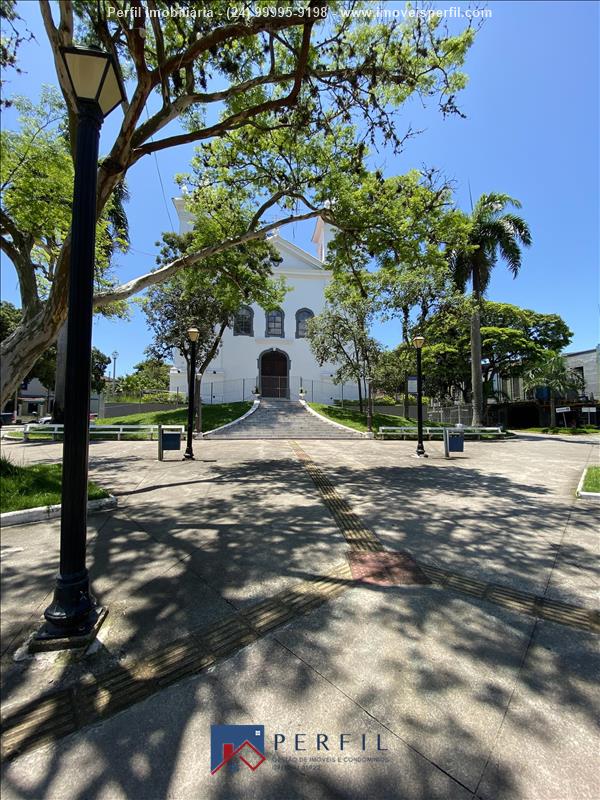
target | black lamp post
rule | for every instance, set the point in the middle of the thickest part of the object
(369, 403)
(115, 355)
(418, 342)
(98, 90)
(193, 334)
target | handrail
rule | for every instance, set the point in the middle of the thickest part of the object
(429, 430)
(56, 428)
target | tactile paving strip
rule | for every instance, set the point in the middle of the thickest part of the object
(355, 533)
(512, 599)
(586, 619)
(55, 715)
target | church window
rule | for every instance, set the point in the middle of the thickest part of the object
(302, 318)
(243, 323)
(274, 323)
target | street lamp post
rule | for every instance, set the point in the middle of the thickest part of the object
(115, 355)
(418, 342)
(98, 90)
(369, 404)
(193, 334)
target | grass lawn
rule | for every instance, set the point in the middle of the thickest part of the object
(212, 416)
(557, 429)
(33, 486)
(354, 419)
(592, 480)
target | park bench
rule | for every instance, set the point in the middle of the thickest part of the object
(109, 430)
(438, 430)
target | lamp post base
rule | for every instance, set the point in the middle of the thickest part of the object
(188, 456)
(52, 637)
(421, 451)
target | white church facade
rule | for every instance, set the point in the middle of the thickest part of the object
(269, 351)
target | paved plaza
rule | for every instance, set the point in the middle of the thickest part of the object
(470, 698)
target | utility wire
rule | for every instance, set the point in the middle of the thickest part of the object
(160, 180)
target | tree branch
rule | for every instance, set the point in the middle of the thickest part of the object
(237, 120)
(163, 273)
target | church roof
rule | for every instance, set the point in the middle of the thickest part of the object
(295, 254)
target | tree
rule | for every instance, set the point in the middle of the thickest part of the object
(301, 73)
(340, 335)
(551, 372)
(45, 367)
(100, 362)
(37, 176)
(10, 316)
(208, 300)
(399, 231)
(149, 375)
(512, 340)
(494, 233)
(12, 38)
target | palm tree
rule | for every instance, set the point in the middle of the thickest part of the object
(552, 372)
(494, 233)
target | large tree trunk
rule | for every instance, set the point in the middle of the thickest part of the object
(198, 398)
(476, 376)
(21, 350)
(552, 410)
(360, 397)
(58, 410)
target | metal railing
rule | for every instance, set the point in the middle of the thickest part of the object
(56, 431)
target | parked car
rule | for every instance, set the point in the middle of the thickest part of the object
(45, 420)
(7, 418)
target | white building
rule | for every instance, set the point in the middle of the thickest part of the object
(269, 350)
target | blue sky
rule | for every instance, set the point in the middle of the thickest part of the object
(531, 131)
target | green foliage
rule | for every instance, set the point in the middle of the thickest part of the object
(493, 233)
(512, 340)
(150, 374)
(402, 228)
(551, 371)
(207, 298)
(36, 174)
(275, 105)
(10, 316)
(340, 333)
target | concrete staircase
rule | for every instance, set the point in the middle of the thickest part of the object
(283, 419)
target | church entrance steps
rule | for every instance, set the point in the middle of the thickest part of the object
(283, 419)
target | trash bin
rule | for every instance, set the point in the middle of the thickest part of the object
(167, 440)
(454, 441)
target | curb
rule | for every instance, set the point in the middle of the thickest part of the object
(335, 424)
(586, 495)
(42, 513)
(255, 405)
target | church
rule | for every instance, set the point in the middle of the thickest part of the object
(268, 352)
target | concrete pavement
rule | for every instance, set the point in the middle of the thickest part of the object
(471, 700)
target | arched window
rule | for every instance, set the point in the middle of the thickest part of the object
(244, 322)
(274, 323)
(302, 318)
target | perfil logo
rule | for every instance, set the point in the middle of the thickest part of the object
(230, 743)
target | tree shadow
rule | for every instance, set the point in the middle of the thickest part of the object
(172, 560)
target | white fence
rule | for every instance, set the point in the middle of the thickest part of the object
(102, 431)
(459, 414)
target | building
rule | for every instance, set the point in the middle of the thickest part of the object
(269, 351)
(586, 363)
